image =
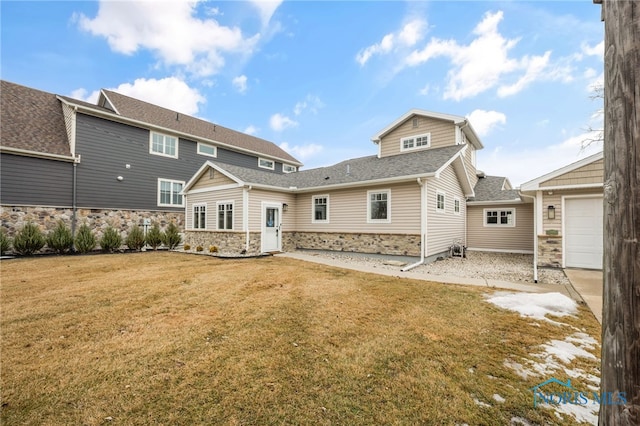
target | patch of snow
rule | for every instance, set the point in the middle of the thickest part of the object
(580, 412)
(498, 398)
(480, 403)
(565, 351)
(515, 421)
(535, 305)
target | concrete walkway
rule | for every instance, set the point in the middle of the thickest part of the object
(478, 282)
(588, 283)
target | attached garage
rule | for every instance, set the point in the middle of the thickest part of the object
(583, 231)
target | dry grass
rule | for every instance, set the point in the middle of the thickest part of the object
(167, 338)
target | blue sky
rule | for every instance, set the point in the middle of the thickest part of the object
(321, 78)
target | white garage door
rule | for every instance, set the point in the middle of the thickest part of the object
(583, 232)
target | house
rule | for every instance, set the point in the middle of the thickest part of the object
(568, 215)
(411, 198)
(121, 161)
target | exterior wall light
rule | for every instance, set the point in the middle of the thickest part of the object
(285, 207)
(120, 178)
(551, 212)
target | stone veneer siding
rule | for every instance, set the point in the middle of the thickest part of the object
(227, 242)
(13, 218)
(550, 251)
(395, 244)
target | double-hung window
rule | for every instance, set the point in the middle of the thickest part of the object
(320, 209)
(169, 193)
(379, 206)
(225, 215)
(199, 216)
(415, 142)
(440, 202)
(500, 217)
(456, 205)
(164, 145)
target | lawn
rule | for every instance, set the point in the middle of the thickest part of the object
(170, 338)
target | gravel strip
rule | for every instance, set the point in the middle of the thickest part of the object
(516, 268)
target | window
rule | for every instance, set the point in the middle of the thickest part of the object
(266, 164)
(440, 202)
(320, 209)
(378, 206)
(414, 142)
(199, 216)
(209, 150)
(462, 138)
(225, 215)
(456, 205)
(169, 193)
(164, 145)
(288, 168)
(502, 217)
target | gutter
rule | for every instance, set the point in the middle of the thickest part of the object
(535, 236)
(423, 223)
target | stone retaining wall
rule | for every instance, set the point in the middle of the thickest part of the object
(227, 242)
(13, 218)
(550, 251)
(396, 244)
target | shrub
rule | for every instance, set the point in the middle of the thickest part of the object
(213, 249)
(111, 240)
(171, 237)
(60, 239)
(29, 239)
(85, 240)
(154, 236)
(135, 239)
(187, 247)
(5, 242)
(199, 248)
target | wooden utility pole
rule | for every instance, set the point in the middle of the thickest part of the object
(621, 308)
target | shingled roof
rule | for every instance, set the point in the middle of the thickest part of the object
(138, 110)
(32, 120)
(354, 171)
(490, 188)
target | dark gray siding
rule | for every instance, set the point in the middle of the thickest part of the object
(107, 147)
(35, 181)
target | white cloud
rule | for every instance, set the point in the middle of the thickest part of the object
(597, 50)
(310, 103)
(240, 83)
(251, 130)
(302, 152)
(485, 61)
(266, 8)
(485, 121)
(407, 36)
(170, 30)
(170, 92)
(279, 122)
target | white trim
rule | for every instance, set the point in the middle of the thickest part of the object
(215, 150)
(113, 107)
(534, 184)
(442, 210)
(415, 146)
(379, 191)
(499, 225)
(245, 216)
(500, 250)
(172, 181)
(214, 188)
(203, 169)
(313, 209)
(36, 154)
(496, 202)
(233, 215)
(539, 214)
(563, 221)
(273, 163)
(193, 216)
(575, 186)
(164, 144)
(284, 165)
(459, 212)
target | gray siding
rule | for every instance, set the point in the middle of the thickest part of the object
(35, 181)
(107, 147)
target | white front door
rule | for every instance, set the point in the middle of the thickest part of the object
(271, 224)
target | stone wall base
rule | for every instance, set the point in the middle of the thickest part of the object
(550, 251)
(226, 242)
(13, 218)
(394, 244)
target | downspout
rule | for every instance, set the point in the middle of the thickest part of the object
(74, 184)
(423, 226)
(245, 215)
(535, 236)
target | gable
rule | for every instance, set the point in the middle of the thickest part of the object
(441, 133)
(211, 178)
(592, 173)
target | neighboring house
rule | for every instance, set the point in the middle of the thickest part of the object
(568, 215)
(117, 162)
(410, 198)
